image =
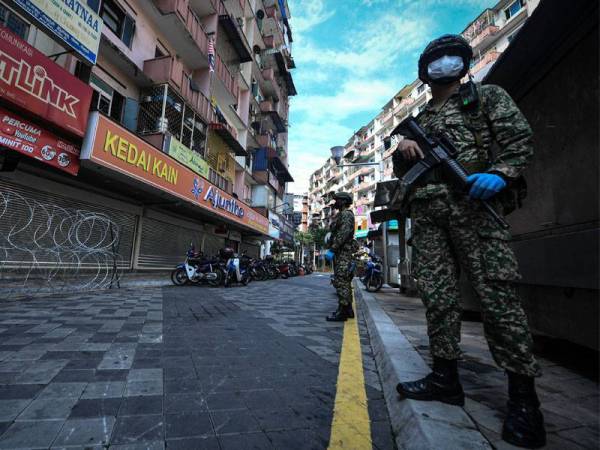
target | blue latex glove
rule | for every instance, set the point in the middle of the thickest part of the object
(485, 185)
(329, 255)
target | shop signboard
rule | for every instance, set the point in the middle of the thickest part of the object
(274, 225)
(110, 145)
(29, 139)
(186, 156)
(72, 21)
(35, 83)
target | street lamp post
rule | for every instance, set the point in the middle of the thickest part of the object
(337, 153)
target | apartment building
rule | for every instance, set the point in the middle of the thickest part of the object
(182, 131)
(300, 211)
(489, 35)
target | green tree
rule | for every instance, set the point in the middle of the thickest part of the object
(318, 235)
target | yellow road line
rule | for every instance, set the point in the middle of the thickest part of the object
(350, 428)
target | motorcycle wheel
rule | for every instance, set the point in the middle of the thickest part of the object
(179, 277)
(285, 276)
(217, 281)
(374, 284)
(262, 274)
(246, 279)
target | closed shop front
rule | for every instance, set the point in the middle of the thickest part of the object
(251, 249)
(164, 243)
(46, 229)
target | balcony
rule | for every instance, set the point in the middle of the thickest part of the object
(268, 109)
(485, 36)
(229, 135)
(234, 32)
(235, 7)
(268, 143)
(270, 86)
(167, 70)
(227, 87)
(205, 7)
(365, 185)
(176, 20)
(481, 31)
(489, 58)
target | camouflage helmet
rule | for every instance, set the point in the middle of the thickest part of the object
(343, 197)
(448, 44)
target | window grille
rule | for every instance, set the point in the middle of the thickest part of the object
(163, 110)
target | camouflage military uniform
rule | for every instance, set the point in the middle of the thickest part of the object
(450, 229)
(342, 234)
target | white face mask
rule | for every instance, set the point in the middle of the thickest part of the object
(444, 67)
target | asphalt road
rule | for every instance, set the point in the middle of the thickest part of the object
(189, 367)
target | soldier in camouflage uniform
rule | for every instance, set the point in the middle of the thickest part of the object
(451, 229)
(341, 251)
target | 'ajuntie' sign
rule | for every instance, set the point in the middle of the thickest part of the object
(110, 145)
(214, 196)
(35, 83)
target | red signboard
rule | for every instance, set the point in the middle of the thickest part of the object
(31, 140)
(34, 82)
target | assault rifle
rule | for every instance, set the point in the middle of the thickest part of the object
(439, 152)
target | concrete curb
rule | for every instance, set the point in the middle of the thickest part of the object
(416, 425)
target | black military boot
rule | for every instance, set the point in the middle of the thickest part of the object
(338, 315)
(524, 423)
(442, 384)
(349, 311)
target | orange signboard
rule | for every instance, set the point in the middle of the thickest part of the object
(112, 146)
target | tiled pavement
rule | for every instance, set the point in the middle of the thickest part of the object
(570, 401)
(197, 368)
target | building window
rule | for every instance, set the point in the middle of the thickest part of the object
(218, 180)
(514, 8)
(420, 89)
(106, 100)
(13, 22)
(118, 21)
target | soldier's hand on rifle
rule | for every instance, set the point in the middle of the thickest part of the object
(410, 150)
(485, 185)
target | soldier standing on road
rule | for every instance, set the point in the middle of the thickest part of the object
(451, 229)
(341, 252)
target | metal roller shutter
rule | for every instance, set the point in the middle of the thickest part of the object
(212, 244)
(252, 250)
(164, 245)
(52, 230)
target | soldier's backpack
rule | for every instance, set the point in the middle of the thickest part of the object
(475, 115)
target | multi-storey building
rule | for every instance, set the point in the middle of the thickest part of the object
(188, 119)
(300, 211)
(489, 35)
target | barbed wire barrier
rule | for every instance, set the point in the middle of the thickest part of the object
(48, 249)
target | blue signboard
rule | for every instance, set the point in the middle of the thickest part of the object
(72, 21)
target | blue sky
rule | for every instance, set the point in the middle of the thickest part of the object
(352, 56)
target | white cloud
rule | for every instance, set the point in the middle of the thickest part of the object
(309, 146)
(308, 14)
(376, 46)
(353, 96)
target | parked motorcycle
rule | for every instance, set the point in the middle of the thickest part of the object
(373, 277)
(235, 270)
(197, 269)
(284, 270)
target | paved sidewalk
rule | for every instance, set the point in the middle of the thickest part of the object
(178, 368)
(570, 402)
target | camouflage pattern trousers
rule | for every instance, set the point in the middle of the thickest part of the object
(343, 274)
(450, 232)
